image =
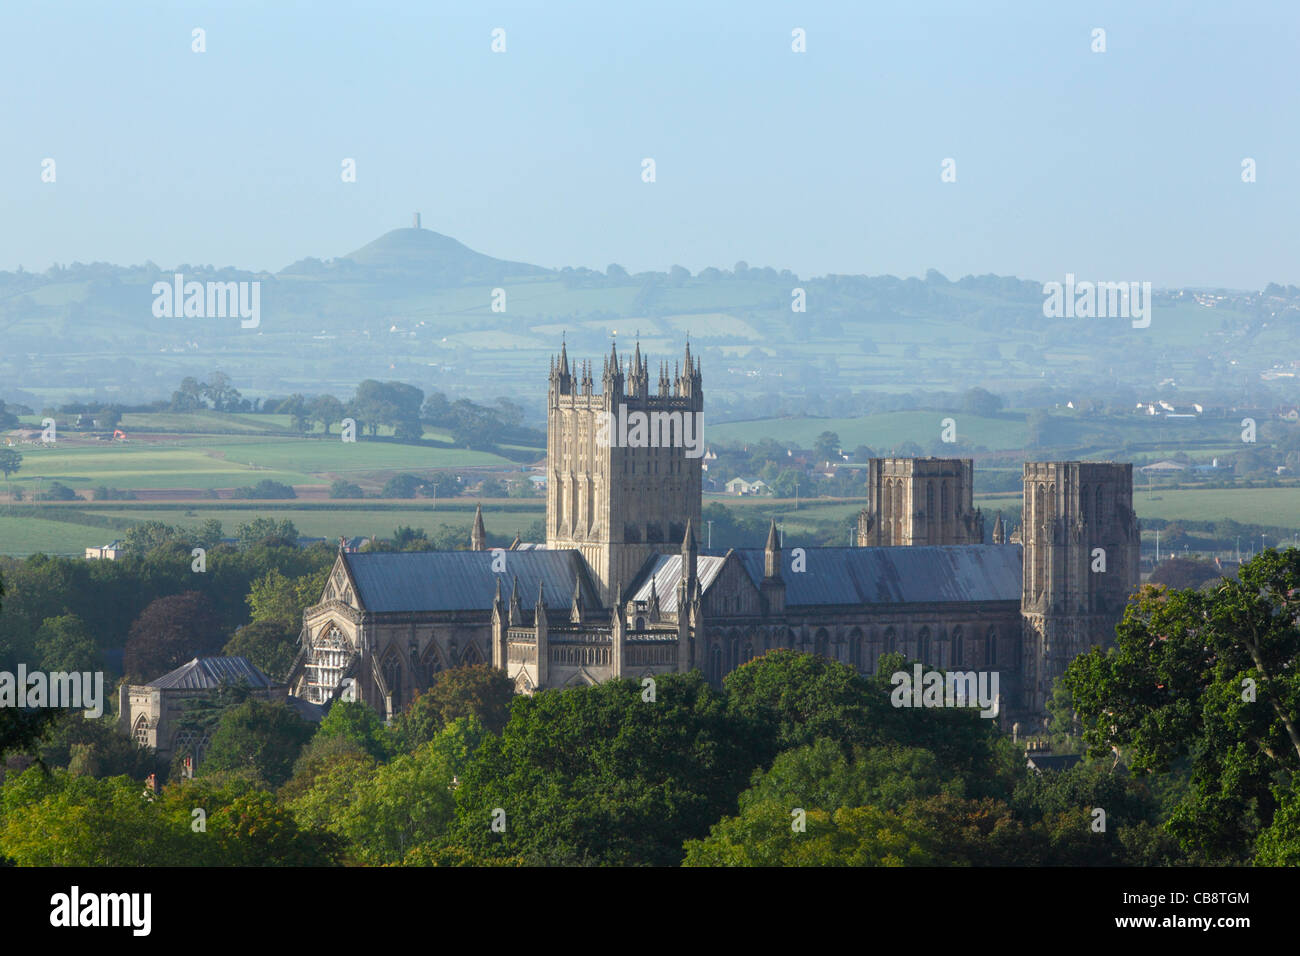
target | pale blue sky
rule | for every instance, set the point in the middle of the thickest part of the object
(1122, 165)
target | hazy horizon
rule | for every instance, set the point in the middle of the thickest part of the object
(1123, 165)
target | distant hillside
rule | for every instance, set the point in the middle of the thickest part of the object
(419, 307)
(419, 257)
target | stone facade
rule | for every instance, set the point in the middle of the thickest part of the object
(621, 588)
(920, 501)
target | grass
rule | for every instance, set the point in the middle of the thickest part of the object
(1263, 506)
(878, 432)
(202, 463)
(24, 536)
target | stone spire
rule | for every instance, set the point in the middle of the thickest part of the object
(478, 534)
(999, 530)
(575, 609)
(772, 553)
(516, 612)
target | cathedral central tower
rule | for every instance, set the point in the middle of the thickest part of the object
(623, 464)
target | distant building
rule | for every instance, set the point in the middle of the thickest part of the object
(624, 590)
(746, 486)
(107, 552)
(150, 713)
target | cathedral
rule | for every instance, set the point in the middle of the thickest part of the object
(621, 587)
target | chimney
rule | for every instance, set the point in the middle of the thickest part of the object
(415, 224)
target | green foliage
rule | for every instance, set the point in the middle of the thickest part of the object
(1212, 676)
(267, 531)
(599, 775)
(358, 723)
(93, 746)
(64, 644)
(263, 738)
(340, 488)
(268, 645)
(480, 692)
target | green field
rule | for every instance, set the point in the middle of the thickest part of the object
(878, 432)
(23, 536)
(204, 462)
(1263, 506)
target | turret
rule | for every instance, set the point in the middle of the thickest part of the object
(618, 632)
(772, 587)
(516, 613)
(575, 609)
(478, 534)
(540, 630)
(500, 659)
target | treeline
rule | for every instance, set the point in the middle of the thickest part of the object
(795, 760)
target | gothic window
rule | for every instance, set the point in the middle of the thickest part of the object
(855, 648)
(715, 664)
(891, 640)
(929, 501)
(141, 731)
(640, 624)
(789, 638)
(820, 642)
(330, 653)
(923, 645)
(432, 664)
(392, 671)
(946, 496)
(958, 647)
(897, 515)
(991, 648)
(748, 653)
(471, 655)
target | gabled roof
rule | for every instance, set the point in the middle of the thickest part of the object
(665, 570)
(849, 576)
(407, 581)
(211, 672)
(924, 574)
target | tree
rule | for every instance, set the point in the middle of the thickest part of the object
(327, 410)
(10, 461)
(480, 692)
(340, 488)
(268, 645)
(264, 738)
(1208, 677)
(598, 774)
(408, 430)
(357, 722)
(401, 486)
(64, 644)
(827, 447)
(169, 632)
(1184, 573)
(978, 401)
(267, 531)
(266, 488)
